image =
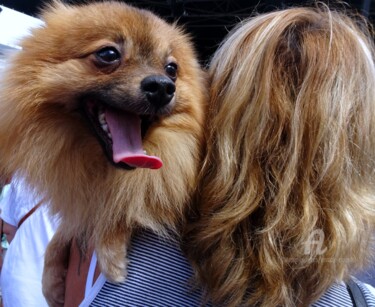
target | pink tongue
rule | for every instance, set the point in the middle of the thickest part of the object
(125, 129)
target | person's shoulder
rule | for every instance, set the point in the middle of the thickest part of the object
(343, 294)
(368, 292)
(369, 288)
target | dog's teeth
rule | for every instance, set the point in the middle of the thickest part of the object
(105, 128)
(102, 119)
(109, 135)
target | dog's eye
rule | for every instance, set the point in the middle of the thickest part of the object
(171, 70)
(108, 55)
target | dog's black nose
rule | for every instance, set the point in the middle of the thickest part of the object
(159, 90)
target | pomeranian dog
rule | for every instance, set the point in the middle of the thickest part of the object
(286, 204)
(102, 113)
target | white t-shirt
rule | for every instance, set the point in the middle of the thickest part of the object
(17, 200)
(21, 274)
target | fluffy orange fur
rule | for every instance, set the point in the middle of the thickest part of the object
(44, 137)
(290, 156)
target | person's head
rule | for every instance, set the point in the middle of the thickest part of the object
(287, 189)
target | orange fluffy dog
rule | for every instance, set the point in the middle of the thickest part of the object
(97, 98)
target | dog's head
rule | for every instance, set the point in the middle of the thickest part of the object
(290, 159)
(123, 68)
(99, 86)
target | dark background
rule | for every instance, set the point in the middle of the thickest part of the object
(207, 20)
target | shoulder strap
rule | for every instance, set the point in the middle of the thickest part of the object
(28, 214)
(356, 294)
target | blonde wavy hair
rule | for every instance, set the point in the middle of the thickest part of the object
(290, 160)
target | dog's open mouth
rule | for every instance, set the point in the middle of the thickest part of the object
(121, 134)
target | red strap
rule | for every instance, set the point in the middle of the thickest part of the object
(28, 214)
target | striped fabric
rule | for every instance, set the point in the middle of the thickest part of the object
(338, 296)
(369, 296)
(159, 275)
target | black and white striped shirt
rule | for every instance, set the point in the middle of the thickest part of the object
(159, 275)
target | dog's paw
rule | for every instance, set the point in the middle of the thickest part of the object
(54, 287)
(113, 263)
(55, 269)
